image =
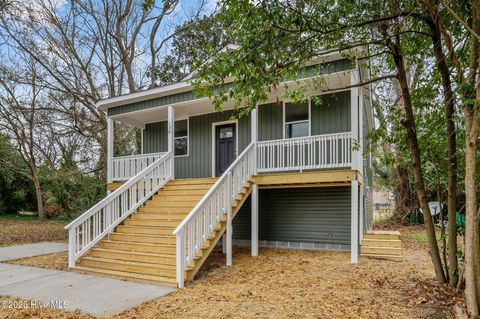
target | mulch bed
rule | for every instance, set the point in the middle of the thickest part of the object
(290, 284)
(17, 232)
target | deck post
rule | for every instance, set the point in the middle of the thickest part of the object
(354, 223)
(229, 221)
(361, 203)
(171, 135)
(254, 240)
(254, 136)
(110, 146)
(354, 101)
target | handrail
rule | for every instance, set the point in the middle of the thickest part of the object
(197, 226)
(305, 153)
(89, 228)
(211, 190)
(139, 155)
(125, 167)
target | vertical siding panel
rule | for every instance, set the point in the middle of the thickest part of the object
(316, 215)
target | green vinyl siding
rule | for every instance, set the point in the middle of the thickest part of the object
(332, 115)
(270, 121)
(308, 215)
(155, 136)
(199, 161)
(325, 68)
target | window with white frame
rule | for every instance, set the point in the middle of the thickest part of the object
(181, 138)
(297, 120)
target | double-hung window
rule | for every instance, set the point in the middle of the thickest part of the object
(297, 120)
(181, 138)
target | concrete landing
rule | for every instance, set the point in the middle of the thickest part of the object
(71, 291)
(31, 250)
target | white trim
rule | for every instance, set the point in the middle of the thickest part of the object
(188, 138)
(214, 125)
(301, 121)
(110, 147)
(254, 230)
(141, 140)
(354, 223)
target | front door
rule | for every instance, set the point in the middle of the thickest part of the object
(225, 147)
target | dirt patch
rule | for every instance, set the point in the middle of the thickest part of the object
(17, 232)
(292, 284)
(58, 261)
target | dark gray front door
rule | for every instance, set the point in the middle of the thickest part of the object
(225, 147)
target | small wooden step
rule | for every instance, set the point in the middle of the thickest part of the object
(133, 256)
(167, 281)
(381, 250)
(382, 243)
(395, 235)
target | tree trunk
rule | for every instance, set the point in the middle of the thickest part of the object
(448, 100)
(38, 194)
(471, 221)
(409, 123)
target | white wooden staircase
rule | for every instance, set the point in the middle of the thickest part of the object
(158, 229)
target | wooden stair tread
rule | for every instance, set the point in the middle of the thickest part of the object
(140, 253)
(139, 244)
(383, 232)
(167, 281)
(130, 263)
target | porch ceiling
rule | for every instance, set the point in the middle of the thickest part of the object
(329, 83)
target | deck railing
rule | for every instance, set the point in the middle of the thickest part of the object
(195, 229)
(125, 167)
(88, 229)
(305, 153)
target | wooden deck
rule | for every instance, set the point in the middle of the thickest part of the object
(308, 179)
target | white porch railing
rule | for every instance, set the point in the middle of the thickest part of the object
(88, 229)
(201, 221)
(305, 153)
(125, 167)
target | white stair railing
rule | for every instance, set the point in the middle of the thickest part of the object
(304, 153)
(89, 228)
(195, 229)
(125, 167)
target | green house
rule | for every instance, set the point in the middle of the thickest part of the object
(290, 175)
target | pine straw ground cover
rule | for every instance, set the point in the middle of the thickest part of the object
(17, 232)
(295, 284)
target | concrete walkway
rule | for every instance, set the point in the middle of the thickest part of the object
(31, 250)
(94, 295)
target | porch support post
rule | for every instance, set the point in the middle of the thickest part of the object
(354, 98)
(254, 240)
(254, 195)
(354, 223)
(110, 147)
(171, 135)
(229, 222)
(361, 220)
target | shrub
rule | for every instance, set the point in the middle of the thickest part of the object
(53, 211)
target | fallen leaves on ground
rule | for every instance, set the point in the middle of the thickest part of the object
(17, 232)
(283, 283)
(58, 261)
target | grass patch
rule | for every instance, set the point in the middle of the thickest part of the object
(18, 217)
